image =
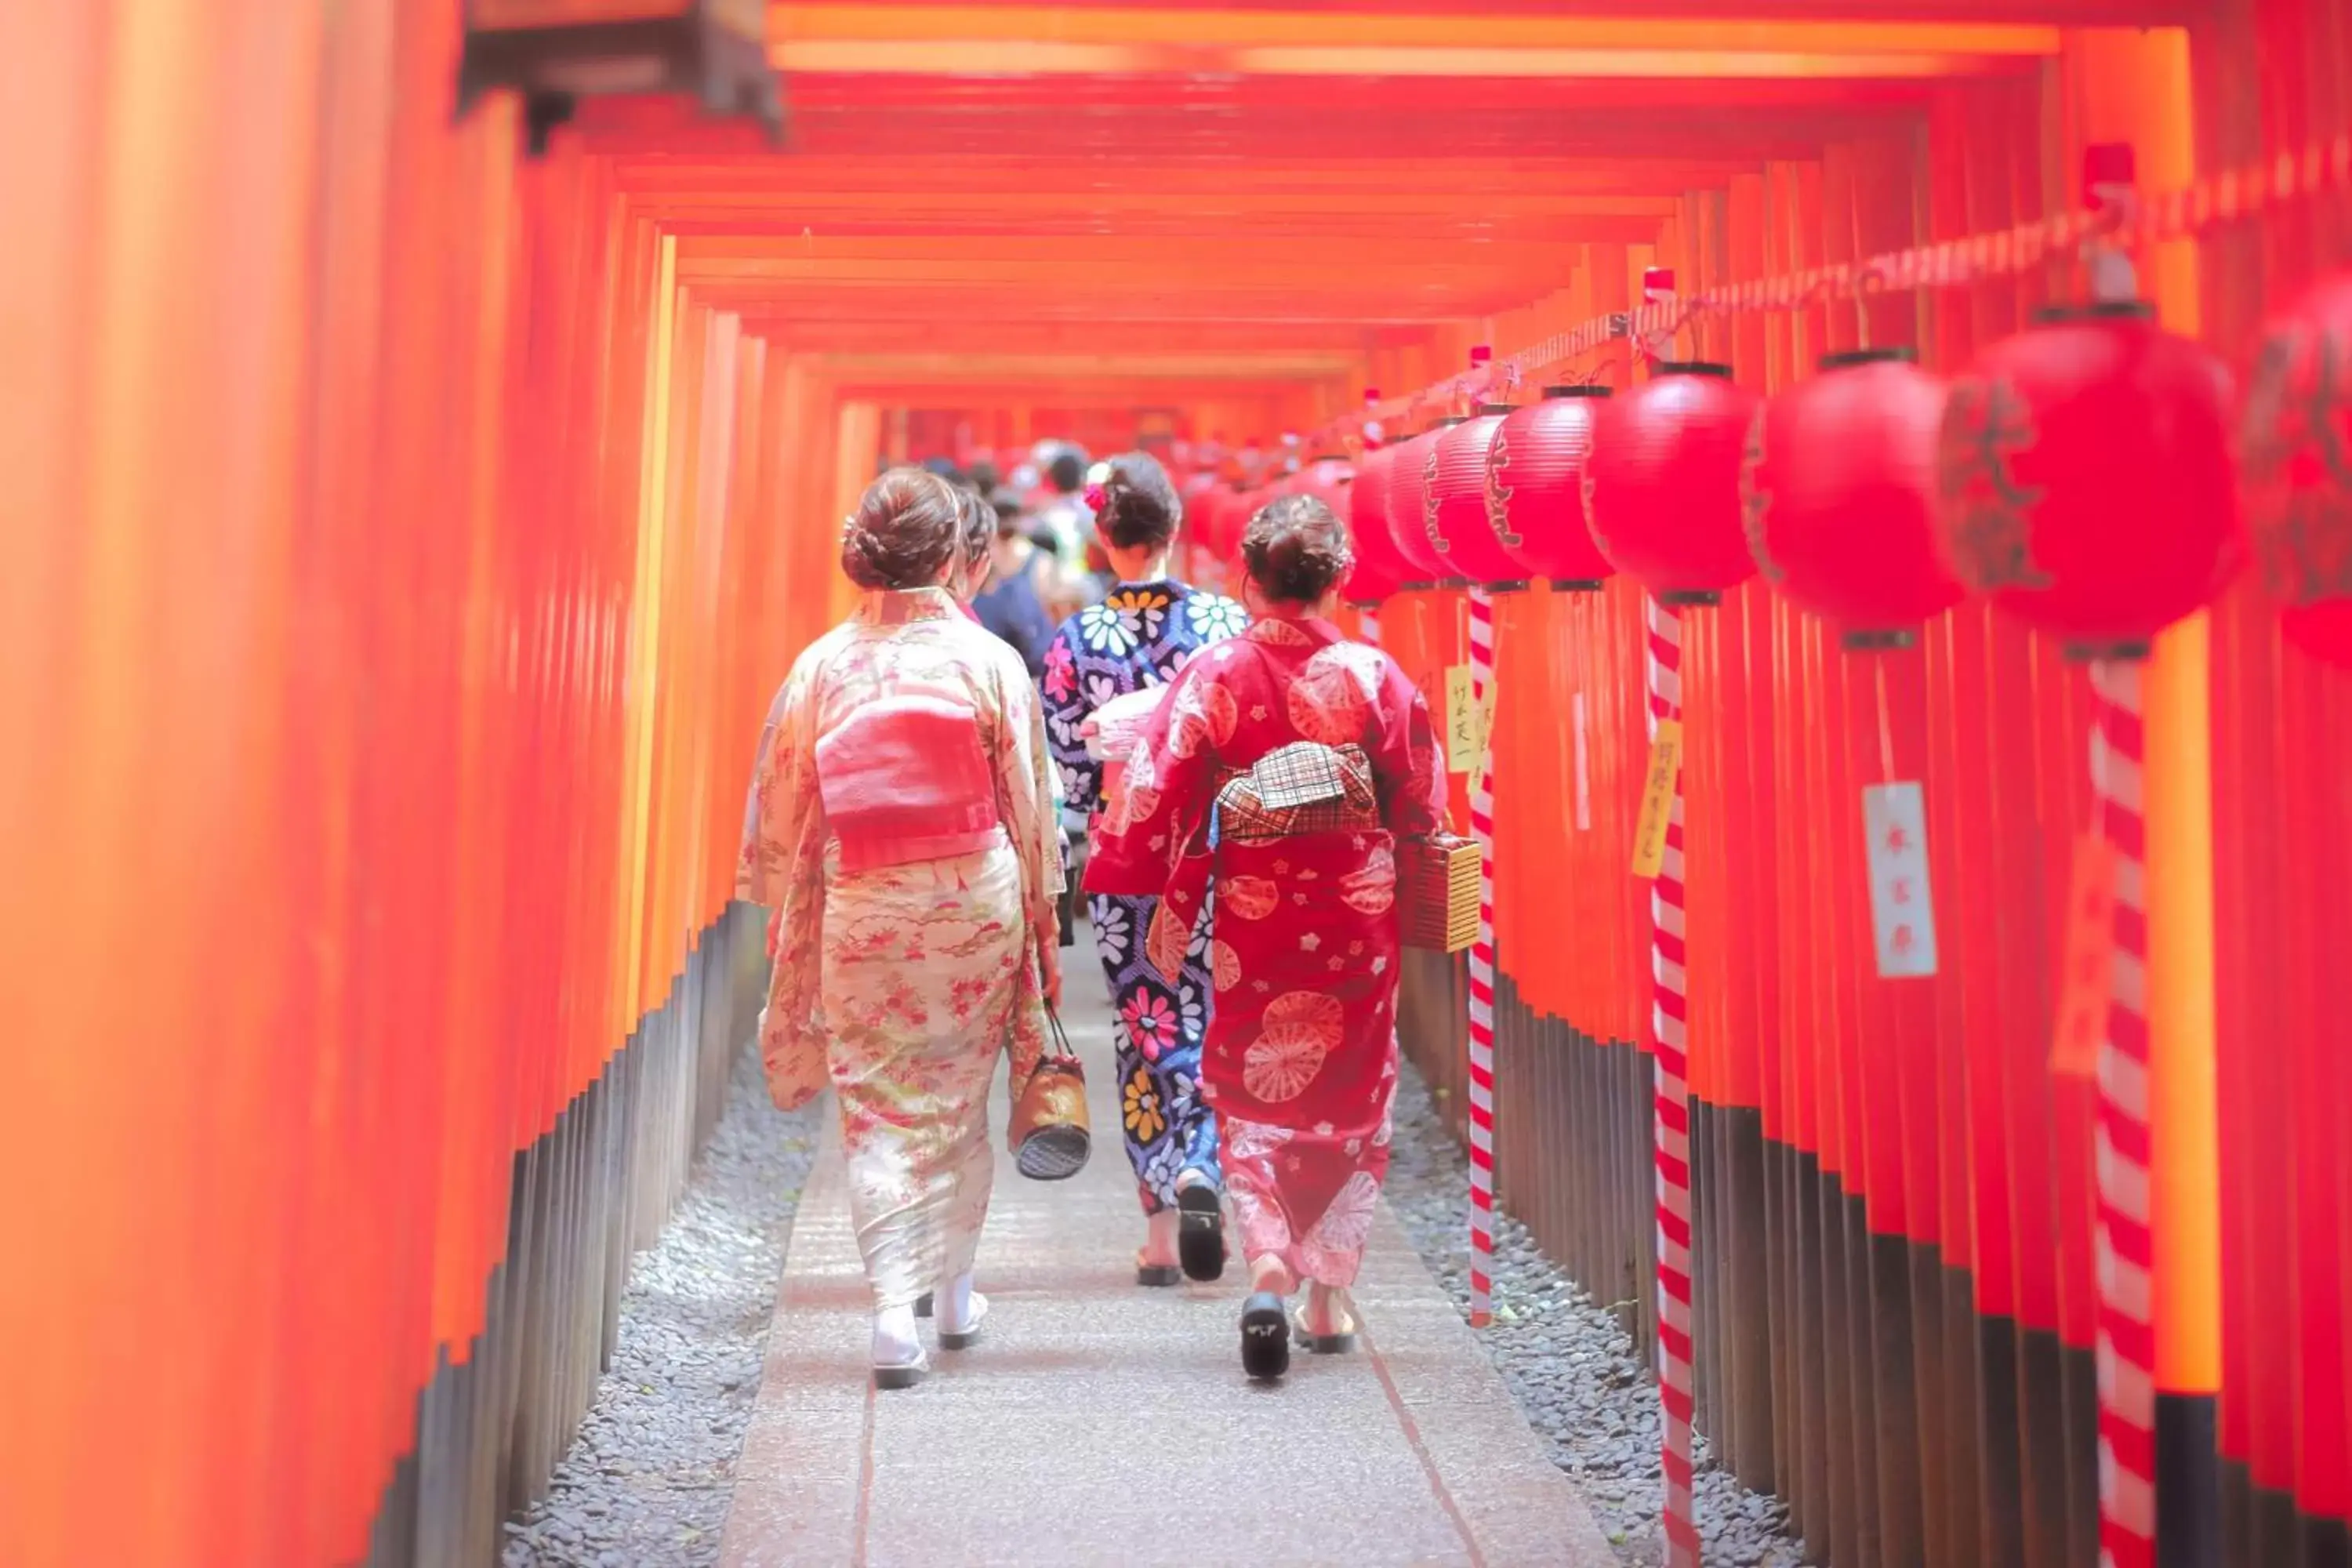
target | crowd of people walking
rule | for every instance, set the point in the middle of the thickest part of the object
(1024, 686)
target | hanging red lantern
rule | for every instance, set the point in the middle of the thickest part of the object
(2297, 441)
(1454, 509)
(557, 52)
(1379, 571)
(1534, 488)
(2085, 478)
(1840, 494)
(1662, 486)
(1408, 495)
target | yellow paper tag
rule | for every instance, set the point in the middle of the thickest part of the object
(2083, 988)
(1461, 721)
(1658, 799)
(1485, 739)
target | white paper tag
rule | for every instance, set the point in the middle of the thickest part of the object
(1583, 767)
(1902, 908)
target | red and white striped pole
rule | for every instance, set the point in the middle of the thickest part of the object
(2126, 1242)
(1482, 974)
(2124, 1245)
(1669, 1039)
(1671, 1112)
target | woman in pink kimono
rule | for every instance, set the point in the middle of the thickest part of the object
(1282, 766)
(901, 826)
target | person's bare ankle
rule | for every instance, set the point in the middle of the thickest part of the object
(1159, 1239)
(1272, 1274)
(1325, 1306)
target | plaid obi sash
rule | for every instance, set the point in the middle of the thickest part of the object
(1293, 791)
(1297, 789)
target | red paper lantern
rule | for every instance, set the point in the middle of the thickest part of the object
(1534, 488)
(2086, 481)
(1840, 495)
(1379, 571)
(2297, 441)
(1414, 467)
(1662, 487)
(1454, 509)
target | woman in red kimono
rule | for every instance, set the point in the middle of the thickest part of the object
(1282, 766)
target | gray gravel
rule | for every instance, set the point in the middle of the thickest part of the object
(649, 1479)
(1568, 1363)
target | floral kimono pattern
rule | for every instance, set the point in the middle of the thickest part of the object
(1299, 1061)
(901, 986)
(1138, 637)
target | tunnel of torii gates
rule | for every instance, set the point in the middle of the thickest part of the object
(406, 532)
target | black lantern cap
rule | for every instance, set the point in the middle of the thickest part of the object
(1852, 357)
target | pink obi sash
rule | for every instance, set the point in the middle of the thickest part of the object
(907, 779)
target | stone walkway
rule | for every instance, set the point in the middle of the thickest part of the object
(1097, 1423)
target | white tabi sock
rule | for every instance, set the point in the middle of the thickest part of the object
(895, 1343)
(951, 1304)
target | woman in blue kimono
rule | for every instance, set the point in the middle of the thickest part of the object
(1138, 637)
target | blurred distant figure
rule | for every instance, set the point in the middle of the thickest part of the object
(977, 520)
(1065, 512)
(1014, 605)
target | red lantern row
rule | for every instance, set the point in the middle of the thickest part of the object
(2079, 473)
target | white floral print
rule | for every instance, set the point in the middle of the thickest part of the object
(1214, 617)
(1114, 930)
(1105, 629)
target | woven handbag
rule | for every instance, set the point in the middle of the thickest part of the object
(1051, 1133)
(1437, 893)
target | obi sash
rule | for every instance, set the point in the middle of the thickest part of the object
(1291, 792)
(907, 779)
(1298, 789)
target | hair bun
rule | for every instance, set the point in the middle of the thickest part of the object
(1296, 549)
(908, 524)
(1139, 505)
